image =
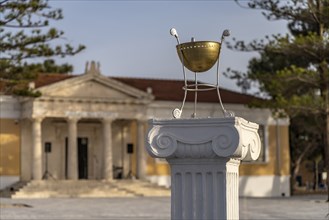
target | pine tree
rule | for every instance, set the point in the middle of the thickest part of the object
(293, 70)
(27, 43)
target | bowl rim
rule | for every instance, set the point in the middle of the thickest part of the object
(197, 42)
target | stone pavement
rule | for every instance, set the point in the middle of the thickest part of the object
(297, 207)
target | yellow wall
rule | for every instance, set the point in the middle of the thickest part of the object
(9, 147)
(157, 169)
(272, 166)
(285, 152)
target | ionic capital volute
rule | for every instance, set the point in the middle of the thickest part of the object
(203, 138)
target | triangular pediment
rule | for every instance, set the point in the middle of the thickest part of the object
(89, 89)
(93, 86)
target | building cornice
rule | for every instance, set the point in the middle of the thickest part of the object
(91, 100)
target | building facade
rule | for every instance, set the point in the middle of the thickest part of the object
(91, 126)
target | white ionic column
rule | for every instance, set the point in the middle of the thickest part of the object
(108, 154)
(204, 156)
(72, 172)
(37, 149)
(141, 153)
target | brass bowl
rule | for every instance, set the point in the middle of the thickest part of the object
(199, 56)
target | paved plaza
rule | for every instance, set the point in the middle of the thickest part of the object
(297, 207)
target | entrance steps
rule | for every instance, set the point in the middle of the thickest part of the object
(89, 189)
(12, 189)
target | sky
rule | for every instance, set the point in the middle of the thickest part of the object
(132, 39)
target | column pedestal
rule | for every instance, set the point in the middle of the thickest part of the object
(204, 156)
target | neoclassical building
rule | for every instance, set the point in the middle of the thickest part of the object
(90, 126)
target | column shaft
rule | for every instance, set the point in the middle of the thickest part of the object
(37, 149)
(72, 173)
(141, 153)
(206, 190)
(108, 154)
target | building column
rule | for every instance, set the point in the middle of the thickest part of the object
(37, 149)
(141, 154)
(107, 147)
(72, 172)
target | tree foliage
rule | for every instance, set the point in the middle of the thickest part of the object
(27, 42)
(292, 71)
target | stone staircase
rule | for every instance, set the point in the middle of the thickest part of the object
(12, 189)
(89, 189)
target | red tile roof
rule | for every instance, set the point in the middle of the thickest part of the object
(171, 90)
(47, 79)
(162, 89)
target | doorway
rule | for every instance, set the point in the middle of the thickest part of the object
(82, 147)
(83, 158)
